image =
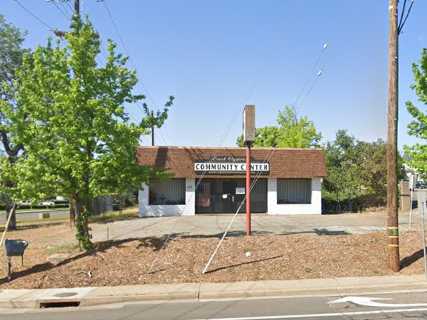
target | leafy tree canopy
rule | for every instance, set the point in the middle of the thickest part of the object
(417, 153)
(290, 132)
(11, 53)
(71, 119)
(356, 172)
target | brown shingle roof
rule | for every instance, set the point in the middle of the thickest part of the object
(284, 163)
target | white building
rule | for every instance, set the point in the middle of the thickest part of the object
(212, 180)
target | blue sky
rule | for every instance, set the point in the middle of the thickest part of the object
(216, 56)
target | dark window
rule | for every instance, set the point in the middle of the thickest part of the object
(293, 191)
(226, 196)
(169, 192)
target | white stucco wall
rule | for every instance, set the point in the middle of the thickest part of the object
(315, 207)
(187, 209)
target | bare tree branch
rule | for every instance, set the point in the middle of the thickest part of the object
(10, 150)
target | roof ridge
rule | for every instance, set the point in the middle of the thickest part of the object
(225, 148)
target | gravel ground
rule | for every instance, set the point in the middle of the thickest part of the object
(260, 257)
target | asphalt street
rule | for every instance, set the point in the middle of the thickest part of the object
(398, 305)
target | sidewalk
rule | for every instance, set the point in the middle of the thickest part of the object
(215, 224)
(38, 298)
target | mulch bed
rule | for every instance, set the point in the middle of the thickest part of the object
(150, 260)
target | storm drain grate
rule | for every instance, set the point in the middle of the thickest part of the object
(59, 304)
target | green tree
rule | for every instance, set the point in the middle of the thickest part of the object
(373, 167)
(11, 53)
(290, 132)
(417, 153)
(78, 138)
(343, 182)
(356, 173)
(156, 119)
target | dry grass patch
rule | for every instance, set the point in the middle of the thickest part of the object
(125, 214)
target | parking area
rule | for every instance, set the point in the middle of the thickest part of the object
(214, 225)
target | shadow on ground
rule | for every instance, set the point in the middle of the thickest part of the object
(108, 219)
(414, 257)
(46, 266)
(161, 243)
(244, 263)
(34, 226)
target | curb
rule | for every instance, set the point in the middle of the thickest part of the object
(91, 296)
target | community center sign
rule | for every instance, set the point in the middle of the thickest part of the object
(230, 167)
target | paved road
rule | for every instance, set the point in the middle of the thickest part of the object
(316, 307)
(34, 215)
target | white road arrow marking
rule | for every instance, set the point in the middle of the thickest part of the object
(339, 315)
(370, 302)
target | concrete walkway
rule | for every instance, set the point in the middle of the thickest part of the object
(36, 298)
(214, 225)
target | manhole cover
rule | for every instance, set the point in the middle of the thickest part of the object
(65, 294)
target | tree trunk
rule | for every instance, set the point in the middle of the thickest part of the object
(72, 212)
(12, 223)
(338, 203)
(82, 224)
(77, 212)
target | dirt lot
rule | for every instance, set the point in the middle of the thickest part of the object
(148, 260)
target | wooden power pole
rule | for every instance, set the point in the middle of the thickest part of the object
(392, 129)
(77, 7)
(152, 129)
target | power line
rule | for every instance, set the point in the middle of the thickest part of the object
(116, 28)
(212, 256)
(313, 83)
(403, 16)
(123, 44)
(316, 69)
(34, 15)
(60, 9)
(68, 5)
(149, 96)
(125, 48)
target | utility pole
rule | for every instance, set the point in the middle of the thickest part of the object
(152, 129)
(392, 129)
(77, 7)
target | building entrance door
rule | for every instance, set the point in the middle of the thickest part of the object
(226, 195)
(233, 195)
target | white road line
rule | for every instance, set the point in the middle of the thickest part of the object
(371, 302)
(318, 295)
(320, 315)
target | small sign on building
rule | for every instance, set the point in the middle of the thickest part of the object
(240, 190)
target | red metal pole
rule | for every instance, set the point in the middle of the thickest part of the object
(248, 189)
